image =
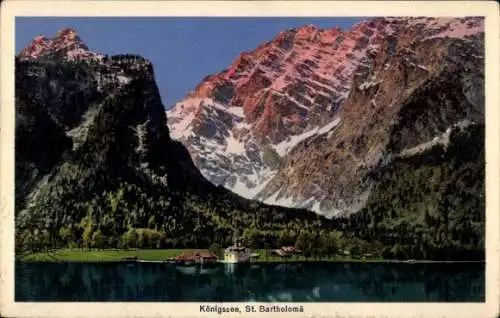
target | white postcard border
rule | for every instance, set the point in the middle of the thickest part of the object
(11, 9)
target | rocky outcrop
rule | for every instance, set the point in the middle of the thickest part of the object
(65, 44)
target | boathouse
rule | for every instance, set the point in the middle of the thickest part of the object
(197, 257)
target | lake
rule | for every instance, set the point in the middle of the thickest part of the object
(263, 282)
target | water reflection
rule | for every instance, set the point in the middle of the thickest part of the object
(300, 282)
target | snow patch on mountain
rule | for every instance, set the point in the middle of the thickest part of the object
(229, 157)
(123, 80)
(79, 133)
(442, 139)
(140, 132)
(234, 145)
(291, 142)
(248, 186)
(366, 85)
(181, 116)
(323, 130)
(312, 203)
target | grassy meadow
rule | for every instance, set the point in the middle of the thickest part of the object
(110, 255)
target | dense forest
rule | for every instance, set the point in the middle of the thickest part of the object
(120, 182)
(116, 180)
(430, 205)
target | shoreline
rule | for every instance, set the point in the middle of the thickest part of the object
(246, 263)
(243, 263)
(165, 256)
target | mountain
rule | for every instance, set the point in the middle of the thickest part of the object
(304, 119)
(96, 167)
(65, 44)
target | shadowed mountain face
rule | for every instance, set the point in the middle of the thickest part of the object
(302, 119)
(97, 165)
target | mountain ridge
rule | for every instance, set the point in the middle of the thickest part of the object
(240, 146)
(66, 43)
(119, 180)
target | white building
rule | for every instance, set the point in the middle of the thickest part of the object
(237, 254)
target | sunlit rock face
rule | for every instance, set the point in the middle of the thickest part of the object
(303, 118)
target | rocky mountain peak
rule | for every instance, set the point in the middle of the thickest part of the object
(66, 44)
(40, 39)
(66, 32)
(306, 32)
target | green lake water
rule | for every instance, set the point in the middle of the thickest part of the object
(263, 282)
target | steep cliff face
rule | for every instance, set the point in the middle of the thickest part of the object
(237, 124)
(40, 145)
(303, 118)
(407, 99)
